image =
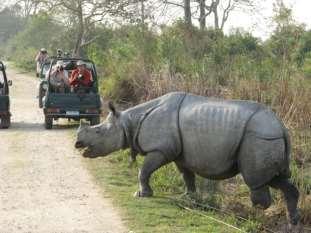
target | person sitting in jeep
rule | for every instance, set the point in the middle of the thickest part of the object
(80, 77)
(59, 53)
(59, 78)
(41, 57)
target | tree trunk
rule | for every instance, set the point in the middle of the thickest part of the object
(202, 18)
(187, 10)
(216, 19)
(142, 12)
(214, 9)
(77, 48)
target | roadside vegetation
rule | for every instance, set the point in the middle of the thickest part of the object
(137, 62)
(169, 210)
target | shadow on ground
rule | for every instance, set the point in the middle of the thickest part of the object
(34, 127)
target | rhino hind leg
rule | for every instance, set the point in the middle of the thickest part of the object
(260, 160)
(291, 195)
(189, 178)
(153, 161)
(261, 197)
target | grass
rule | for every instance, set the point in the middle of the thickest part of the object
(163, 212)
(168, 210)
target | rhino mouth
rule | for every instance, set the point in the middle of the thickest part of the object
(89, 152)
(79, 145)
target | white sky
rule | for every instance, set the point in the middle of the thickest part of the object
(261, 26)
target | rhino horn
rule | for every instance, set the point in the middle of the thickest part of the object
(113, 109)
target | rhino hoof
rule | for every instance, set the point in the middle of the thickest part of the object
(142, 194)
(294, 220)
(290, 228)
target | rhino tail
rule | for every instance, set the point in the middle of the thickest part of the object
(285, 172)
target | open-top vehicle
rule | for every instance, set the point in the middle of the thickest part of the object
(5, 115)
(71, 103)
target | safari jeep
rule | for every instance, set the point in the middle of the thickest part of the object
(71, 103)
(5, 115)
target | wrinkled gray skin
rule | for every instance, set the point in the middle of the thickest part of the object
(213, 138)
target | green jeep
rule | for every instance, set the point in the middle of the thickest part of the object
(71, 103)
(5, 115)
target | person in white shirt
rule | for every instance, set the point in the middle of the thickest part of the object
(41, 57)
(59, 78)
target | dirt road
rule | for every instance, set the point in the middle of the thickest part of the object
(43, 184)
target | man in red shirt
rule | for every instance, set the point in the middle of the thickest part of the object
(81, 77)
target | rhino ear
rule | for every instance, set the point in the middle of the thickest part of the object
(113, 109)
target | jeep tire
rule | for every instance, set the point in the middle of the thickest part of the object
(48, 122)
(5, 122)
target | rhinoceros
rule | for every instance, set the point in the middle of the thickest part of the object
(214, 138)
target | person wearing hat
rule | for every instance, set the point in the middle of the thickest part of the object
(81, 76)
(59, 53)
(41, 57)
(66, 55)
(59, 78)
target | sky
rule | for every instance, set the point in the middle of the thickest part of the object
(260, 25)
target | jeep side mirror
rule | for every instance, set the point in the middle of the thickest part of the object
(10, 83)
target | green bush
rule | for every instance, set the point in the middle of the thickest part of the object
(25, 58)
(306, 67)
(40, 31)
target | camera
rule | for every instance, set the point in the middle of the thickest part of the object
(80, 77)
(60, 68)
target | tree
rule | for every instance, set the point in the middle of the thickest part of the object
(220, 10)
(285, 39)
(186, 5)
(202, 18)
(10, 23)
(187, 12)
(84, 14)
(32, 7)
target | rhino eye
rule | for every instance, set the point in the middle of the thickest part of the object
(97, 131)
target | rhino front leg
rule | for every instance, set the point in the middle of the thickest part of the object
(153, 161)
(189, 178)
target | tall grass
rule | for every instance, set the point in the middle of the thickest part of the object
(289, 98)
(228, 69)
